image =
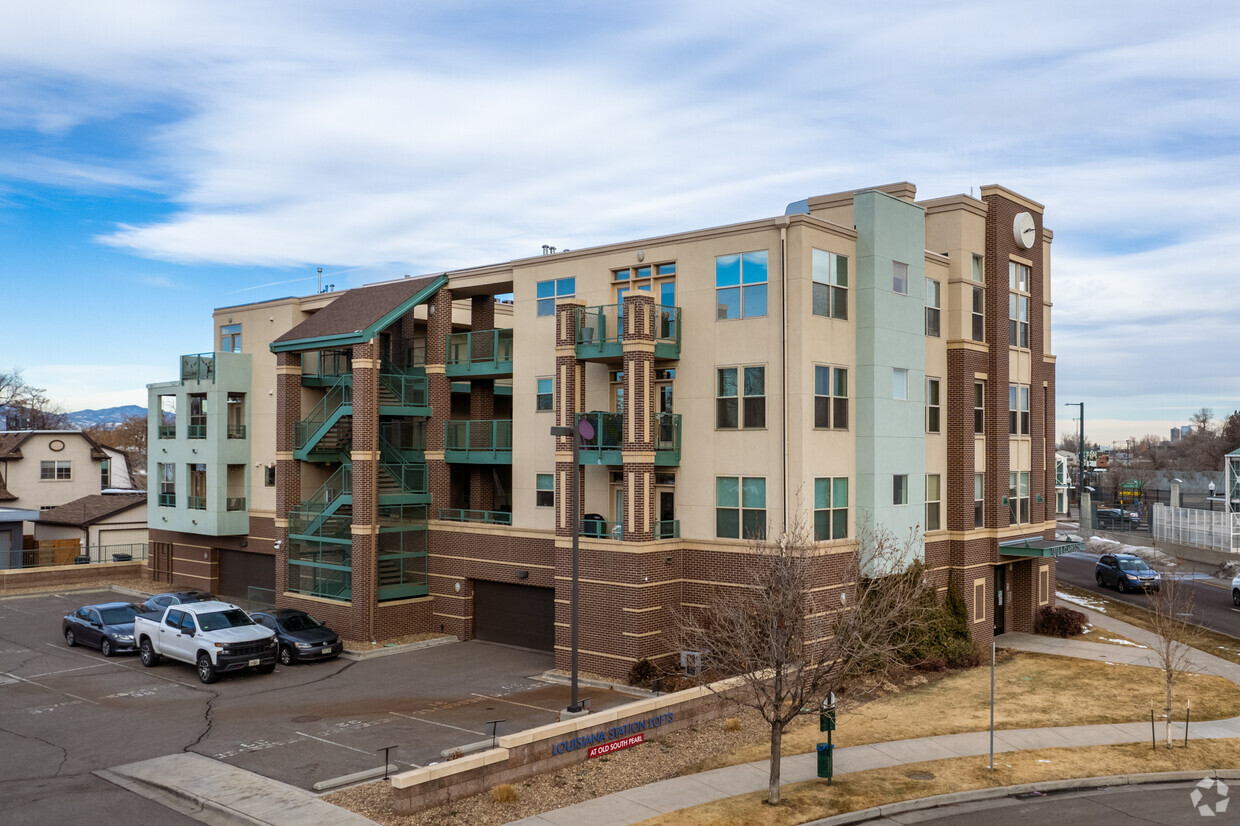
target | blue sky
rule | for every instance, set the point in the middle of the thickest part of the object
(161, 159)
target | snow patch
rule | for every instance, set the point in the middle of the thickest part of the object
(1114, 641)
(1087, 602)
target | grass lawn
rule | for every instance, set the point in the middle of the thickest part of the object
(803, 802)
(1212, 642)
(1031, 691)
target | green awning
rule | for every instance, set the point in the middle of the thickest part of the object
(1039, 547)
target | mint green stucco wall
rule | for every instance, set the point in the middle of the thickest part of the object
(890, 334)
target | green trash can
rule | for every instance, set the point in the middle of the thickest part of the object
(825, 768)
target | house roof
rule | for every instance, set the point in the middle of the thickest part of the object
(358, 315)
(91, 509)
(10, 443)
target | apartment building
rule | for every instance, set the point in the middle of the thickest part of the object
(863, 358)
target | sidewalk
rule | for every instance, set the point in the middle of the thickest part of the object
(635, 805)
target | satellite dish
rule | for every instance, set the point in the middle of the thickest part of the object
(586, 429)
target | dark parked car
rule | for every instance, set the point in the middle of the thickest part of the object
(1126, 572)
(107, 626)
(1117, 518)
(301, 636)
(161, 601)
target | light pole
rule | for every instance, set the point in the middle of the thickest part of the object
(583, 428)
(1080, 460)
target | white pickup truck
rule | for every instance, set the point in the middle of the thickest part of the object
(214, 636)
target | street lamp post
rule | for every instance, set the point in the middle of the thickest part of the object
(586, 429)
(1080, 460)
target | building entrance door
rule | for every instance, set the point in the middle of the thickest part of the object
(1000, 589)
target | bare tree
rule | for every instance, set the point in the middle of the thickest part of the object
(129, 437)
(1171, 610)
(27, 407)
(792, 643)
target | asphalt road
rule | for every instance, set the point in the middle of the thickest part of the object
(1169, 804)
(66, 712)
(1212, 598)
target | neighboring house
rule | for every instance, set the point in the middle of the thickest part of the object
(863, 358)
(114, 521)
(11, 535)
(41, 469)
(1064, 462)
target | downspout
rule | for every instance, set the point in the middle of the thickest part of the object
(782, 223)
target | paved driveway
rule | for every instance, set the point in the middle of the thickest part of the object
(65, 712)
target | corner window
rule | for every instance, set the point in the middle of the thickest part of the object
(544, 495)
(544, 398)
(830, 397)
(1018, 409)
(899, 277)
(730, 412)
(230, 338)
(60, 470)
(740, 285)
(979, 500)
(830, 280)
(979, 314)
(979, 407)
(932, 307)
(934, 498)
(899, 489)
(831, 508)
(740, 507)
(899, 383)
(933, 408)
(548, 291)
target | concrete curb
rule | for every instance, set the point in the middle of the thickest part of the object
(180, 800)
(388, 651)
(619, 688)
(976, 795)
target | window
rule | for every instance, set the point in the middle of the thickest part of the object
(830, 280)
(1044, 583)
(1018, 305)
(933, 501)
(548, 291)
(1018, 409)
(899, 489)
(269, 476)
(830, 397)
(60, 470)
(740, 507)
(197, 416)
(729, 413)
(831, 508)
(979, 314)
(197, 499)
(899, 277)
(899, 383)
(933, 407)
(167, 474)
(979, 500)
(979, 600)
(1018, 497)
(979, 269)
(932, 307)
(236, 415)
(979, 407)
(230, 338)
(544, 397)
(740, 285)
(544, 495)
(167, 417)
(105, 474)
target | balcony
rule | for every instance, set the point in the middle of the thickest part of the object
(322, 368)
(607, 446)
(602, 529)
(478, 442)
(196, 431)
(403, 393)
(198, 368)
(234, 503)
(167, 431)
(197, 503)
(167, 500)
(236, 431)
(479, 354)
(600, 332)
(482, 517)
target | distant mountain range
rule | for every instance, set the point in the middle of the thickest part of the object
(106, 416)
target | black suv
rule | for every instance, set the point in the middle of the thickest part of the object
(1127, 572)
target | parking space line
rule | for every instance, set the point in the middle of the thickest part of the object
(434, 723)
(332, 743)
(146, 671)
(64, 671)
(513, 702)
(48, 688)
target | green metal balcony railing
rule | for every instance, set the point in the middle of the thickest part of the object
(236, 431)
(484, 517)
(167, 500)
(607, 445)
(199, 367)
(403, 389)
(167, 431)
(326, 364)
(311, 575)
(478, 441)
(338, 484)
(667, 529)
(196, 430)
(600, 331)
(197, 503)
(234, 503)
(602, 529)
(479, 353)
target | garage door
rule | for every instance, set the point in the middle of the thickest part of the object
(239, 571)
(514, 614)
(122, 536)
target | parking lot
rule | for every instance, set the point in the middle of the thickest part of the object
(66, 712)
